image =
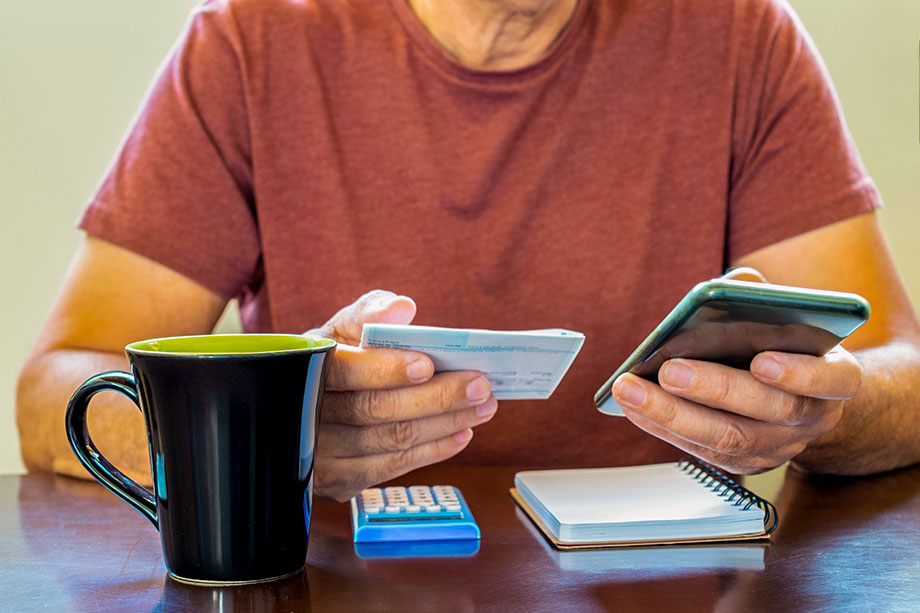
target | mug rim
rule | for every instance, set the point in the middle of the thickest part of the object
(143, 347)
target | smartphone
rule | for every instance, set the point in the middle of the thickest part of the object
(730, 322)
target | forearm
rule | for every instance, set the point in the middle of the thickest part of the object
(45, 385)
(879, 429)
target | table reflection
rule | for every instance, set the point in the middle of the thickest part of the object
(841, 545)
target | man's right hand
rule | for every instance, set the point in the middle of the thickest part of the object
(385, 411)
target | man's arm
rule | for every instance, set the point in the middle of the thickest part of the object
(385, 412)
(879, 428)
(850, 413)
(110, 297)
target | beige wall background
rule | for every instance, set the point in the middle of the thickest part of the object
(73, 73)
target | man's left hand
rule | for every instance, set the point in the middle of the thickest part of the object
(743, 421)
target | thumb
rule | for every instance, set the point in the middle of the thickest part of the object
(745, 273)
(376, 306)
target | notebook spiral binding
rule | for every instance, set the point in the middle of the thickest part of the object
(726, 487)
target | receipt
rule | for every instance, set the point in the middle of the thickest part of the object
(520, 365)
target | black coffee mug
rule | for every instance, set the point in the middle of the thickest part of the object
(231, 428)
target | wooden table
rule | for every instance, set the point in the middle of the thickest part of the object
(842, 544)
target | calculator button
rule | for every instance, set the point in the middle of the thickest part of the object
(372, 510)
(392, 509)
(413, 508)
(433, 508)
(452, 507)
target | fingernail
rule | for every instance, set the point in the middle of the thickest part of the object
(384, 300)
(768, 368)
(478, 390)
(419, 370)
(677, 374)
(630, 393)
(487, 408)
(463, 436)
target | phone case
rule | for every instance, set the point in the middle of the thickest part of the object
(730, 322)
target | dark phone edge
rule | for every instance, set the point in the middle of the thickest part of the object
(725, 290)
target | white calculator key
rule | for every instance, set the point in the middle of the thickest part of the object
(413, 508)
(452, 507)
(372, 510)
(433, 508)
(392, 509)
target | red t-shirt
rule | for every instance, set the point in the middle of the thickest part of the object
(298, 154)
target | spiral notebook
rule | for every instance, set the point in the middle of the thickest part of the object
(678, 502)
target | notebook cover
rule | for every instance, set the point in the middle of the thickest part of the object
(609, 544)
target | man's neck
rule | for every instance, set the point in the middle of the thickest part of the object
(495, 34)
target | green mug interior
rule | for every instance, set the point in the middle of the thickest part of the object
(229, 344)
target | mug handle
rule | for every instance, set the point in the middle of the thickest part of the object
(86, 451)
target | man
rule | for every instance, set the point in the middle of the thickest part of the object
(504, 165)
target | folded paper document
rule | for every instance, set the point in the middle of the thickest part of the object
(520, 365)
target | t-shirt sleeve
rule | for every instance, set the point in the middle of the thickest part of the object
(794, 165)
(180, 189)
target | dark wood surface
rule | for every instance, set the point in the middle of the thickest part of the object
(842, 544)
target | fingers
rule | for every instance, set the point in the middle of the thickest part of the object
(836, 375)
(385, 411)
(358, 368)
(734, 442)
(447, 391)
(737, 444)
(342, 478)
(745, 273)
(729, 389)
(742, 421)
(376, 306)
(345, 440)
(682, 421)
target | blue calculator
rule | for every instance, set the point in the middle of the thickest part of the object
(416, 513)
